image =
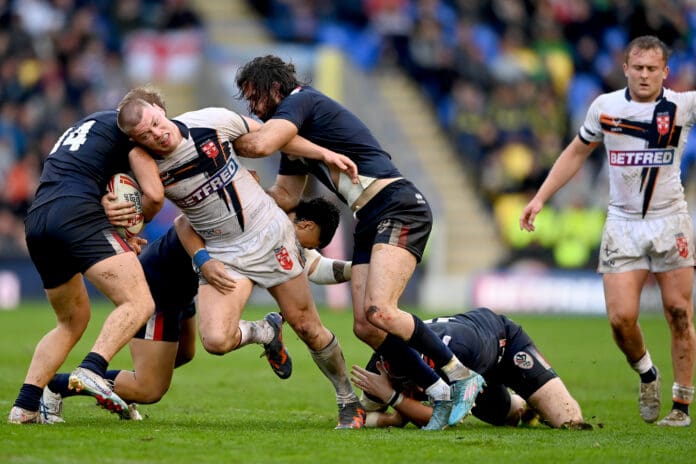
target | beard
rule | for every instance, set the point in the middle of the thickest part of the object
(270, 109)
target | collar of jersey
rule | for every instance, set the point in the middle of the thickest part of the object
(627, 94)
(182, 128)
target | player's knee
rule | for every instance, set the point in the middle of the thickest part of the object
(375, 315)
(219, 345)
(73, 327)
(620, 322)
(152, 393)
(308, 330)
(184, 357)
(680, 319)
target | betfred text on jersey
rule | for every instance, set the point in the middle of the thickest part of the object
(655, 157)
(218, 181)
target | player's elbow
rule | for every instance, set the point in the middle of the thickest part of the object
(253, 146)
(153, 201)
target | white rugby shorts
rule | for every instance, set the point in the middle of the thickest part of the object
(657, 244)
(268, 257)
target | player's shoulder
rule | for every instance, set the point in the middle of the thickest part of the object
(107, 118)
(688, 96)
(616, 97)
(98, 131)
(208, 117)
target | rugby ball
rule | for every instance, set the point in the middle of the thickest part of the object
(127, 189)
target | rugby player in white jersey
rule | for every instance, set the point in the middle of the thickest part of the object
(250, 238)
(648, 229)
(168, 339)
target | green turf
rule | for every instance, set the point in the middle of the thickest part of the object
(232, 409)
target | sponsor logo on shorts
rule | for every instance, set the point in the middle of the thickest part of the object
(523, 360)
(655, 157)
(283, 258)
(682, 245)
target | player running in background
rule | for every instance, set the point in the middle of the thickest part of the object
(168, 339)
(238, 224)
(648, 229)
(69, 238)
(502, 352)
(393, 223)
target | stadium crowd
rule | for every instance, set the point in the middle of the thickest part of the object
(59, 61)
(509, 81)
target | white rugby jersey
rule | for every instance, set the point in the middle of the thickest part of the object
(644, 144)
(204, 178)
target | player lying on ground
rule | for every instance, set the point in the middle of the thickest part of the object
(502, 352)
(168, 339)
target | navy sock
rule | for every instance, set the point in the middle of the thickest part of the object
(425, 341)
(29, 397)
(95, 363)
(406, 362)
(59, 384)
(111, 375)
(681, 407)
(649, 376)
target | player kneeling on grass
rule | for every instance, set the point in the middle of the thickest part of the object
(168, 339)
(498, 349)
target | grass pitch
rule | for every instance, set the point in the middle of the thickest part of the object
(233, 409)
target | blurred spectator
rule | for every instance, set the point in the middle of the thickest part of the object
(511, 81)
(60, 60)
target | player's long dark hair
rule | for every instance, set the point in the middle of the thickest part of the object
(322, 212)
(263, 71)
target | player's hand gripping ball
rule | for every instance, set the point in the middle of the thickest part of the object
(127, 189)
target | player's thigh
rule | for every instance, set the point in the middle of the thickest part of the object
(121, 279)
(153, 363)
(187, 341)
(297, 306)
(70, 303)
(390, 270)
(622, 294)
(218, 313)
(676, 287)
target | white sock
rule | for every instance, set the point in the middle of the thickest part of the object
(455, 370)
(438, 391)
(255, 332)
(644, 364)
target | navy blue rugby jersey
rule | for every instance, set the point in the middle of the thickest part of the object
(169, 272)
(327, 123)
(475, 336)
(83, 159)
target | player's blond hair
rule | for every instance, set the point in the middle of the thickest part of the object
(130, 108)
(647, 42)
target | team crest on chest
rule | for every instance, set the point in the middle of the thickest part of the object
(662, 120)
(283, 258)
(210, 148)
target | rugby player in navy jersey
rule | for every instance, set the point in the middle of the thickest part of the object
(649, 230)
(502, 352)
(393, 223)
(168, 339)
(70, 238)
